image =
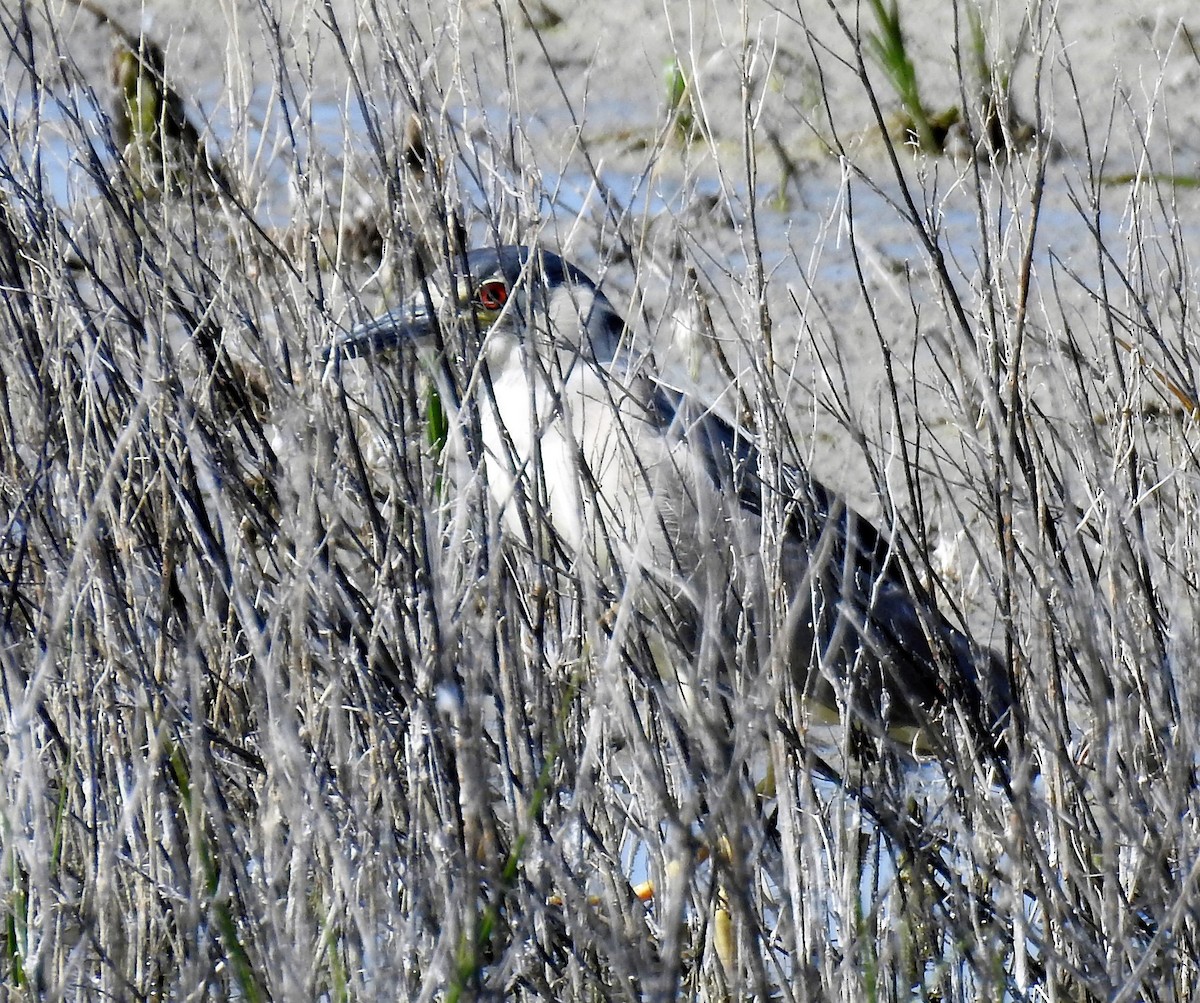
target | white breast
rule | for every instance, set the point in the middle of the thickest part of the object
(578, 444)
(616, 484)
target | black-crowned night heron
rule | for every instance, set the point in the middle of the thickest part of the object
(633, 474)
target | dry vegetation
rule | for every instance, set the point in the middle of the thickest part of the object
(287, 715)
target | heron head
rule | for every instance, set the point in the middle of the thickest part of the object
(513, 296)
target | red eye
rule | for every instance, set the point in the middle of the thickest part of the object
(492, 295)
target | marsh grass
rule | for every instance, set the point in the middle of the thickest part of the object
(288, 714)
(891, 50)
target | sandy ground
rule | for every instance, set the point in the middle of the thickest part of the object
(606, 62)
(1113, 84)
(609, 59)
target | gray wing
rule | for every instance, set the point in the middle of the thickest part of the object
(857, 624)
